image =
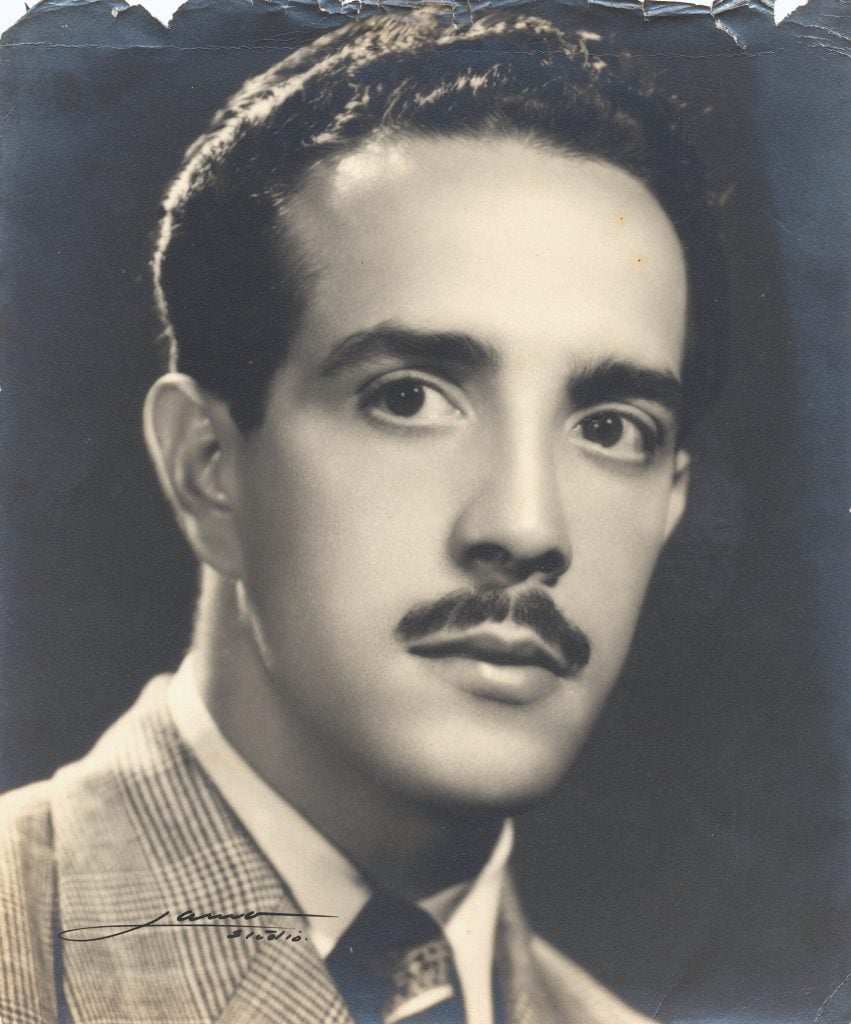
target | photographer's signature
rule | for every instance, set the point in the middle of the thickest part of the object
(243, 925)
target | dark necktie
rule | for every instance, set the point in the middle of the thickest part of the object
(393, 964)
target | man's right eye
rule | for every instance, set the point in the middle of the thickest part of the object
(409, 400)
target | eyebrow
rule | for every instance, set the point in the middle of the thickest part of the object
(447, 348)
(615, 380)
(610, 380)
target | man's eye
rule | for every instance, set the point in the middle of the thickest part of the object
(408, 398)
(619, 435)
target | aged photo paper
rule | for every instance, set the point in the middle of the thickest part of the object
(695, 858)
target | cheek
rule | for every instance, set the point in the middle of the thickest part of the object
(616, 541)
(619, 516)
(350, 529)
(628, 536)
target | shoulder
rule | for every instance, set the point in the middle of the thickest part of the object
(25, 816)
(26, 836)
(63, 843)
(26, 844)
(27, 886)
(575, 994)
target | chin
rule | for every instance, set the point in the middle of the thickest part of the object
(503, 783)
(490, 800)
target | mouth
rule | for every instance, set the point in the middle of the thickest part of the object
(525, 651)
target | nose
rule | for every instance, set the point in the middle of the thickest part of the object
(514, 527)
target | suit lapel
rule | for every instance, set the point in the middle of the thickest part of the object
(542, 986)
(516, 971)
(277, 989)
(139, 831)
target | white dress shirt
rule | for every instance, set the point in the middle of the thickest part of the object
(320, 877)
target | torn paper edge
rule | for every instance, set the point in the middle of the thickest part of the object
(12, 11)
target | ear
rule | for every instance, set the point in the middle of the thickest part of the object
(194, 445)
(679, 490)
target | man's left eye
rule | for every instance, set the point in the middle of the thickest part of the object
(619, 436)
(408, 398)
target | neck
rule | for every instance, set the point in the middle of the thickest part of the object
(398, 844)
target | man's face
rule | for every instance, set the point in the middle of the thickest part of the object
(478, 402)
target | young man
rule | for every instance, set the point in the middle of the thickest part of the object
(434, 357)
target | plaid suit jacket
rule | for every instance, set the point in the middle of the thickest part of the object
(136, 828)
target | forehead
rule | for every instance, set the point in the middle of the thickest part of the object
(529, 248)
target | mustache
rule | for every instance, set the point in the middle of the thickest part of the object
(464, 609)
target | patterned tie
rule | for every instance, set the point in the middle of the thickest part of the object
(393, 965)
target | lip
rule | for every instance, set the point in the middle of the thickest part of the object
(524, 651)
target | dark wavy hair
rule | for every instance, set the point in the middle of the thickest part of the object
(232, 283)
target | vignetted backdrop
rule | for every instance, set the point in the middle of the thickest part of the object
(696, 858)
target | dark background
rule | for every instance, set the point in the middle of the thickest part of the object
(697, 857)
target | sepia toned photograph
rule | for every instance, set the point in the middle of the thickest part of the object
(424, 513)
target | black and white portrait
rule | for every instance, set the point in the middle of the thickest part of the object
(425, 473)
